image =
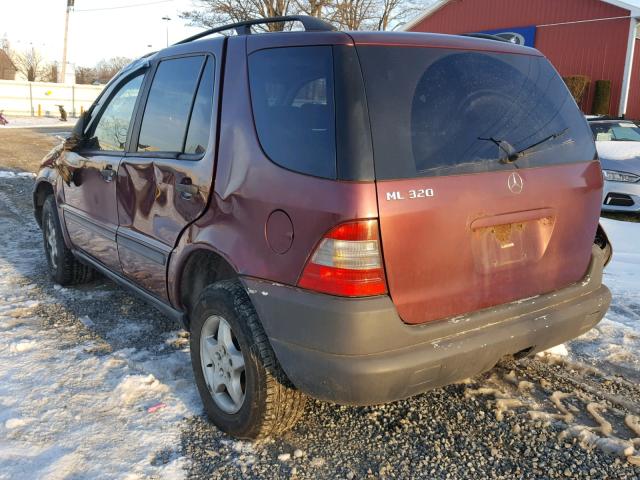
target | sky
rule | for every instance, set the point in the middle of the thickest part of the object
(98, 28)
(120, 28)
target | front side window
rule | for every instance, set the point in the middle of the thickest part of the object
(166, 114)
(294, 109)
(442, 112)
(111, 130)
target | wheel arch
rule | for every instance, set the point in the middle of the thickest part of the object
(41, 191)
(201, 267)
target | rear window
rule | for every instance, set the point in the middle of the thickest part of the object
(440, 111)
(293, 107)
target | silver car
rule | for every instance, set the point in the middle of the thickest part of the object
(618, 145)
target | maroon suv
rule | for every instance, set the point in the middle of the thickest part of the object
(359, 217)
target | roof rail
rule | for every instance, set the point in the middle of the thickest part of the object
(310, 24)
(486, 36)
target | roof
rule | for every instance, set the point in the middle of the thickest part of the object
(632, 5)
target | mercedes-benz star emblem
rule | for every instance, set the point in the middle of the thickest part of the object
(515, 183)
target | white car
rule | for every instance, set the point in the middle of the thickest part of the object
(618, 145)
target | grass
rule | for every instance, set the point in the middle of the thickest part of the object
(22, 150)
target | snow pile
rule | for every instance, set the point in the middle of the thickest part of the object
(75, 413)
(9, 174)
(616, 339)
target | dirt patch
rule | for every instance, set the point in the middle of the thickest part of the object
(22, 150)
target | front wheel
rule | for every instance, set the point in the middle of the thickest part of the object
(64, 268)
(244, 391)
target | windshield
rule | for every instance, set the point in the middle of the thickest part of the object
(432, 111)
(615, 131)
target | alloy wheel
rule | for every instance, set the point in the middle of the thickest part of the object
(222, 364)
(52, 243)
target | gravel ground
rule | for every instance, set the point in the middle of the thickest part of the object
(460, 431)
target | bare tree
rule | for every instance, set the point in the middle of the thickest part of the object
(86, 75)
(316, 8)
(107, 68)
(394, 13)
(388, 7)
(29, 63)
(209, 13)
(354, 14)
(50, 72)
(345, 14)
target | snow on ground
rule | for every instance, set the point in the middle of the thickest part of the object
(616, 339)
(8, 174)
(35, 122)
(80, 410)
(65, 413)
(76, 404)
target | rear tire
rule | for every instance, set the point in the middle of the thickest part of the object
(64, 268)
(224, 324)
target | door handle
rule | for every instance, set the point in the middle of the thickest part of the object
(186, 188)
(108, 173)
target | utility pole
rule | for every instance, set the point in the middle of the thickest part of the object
(167, 19)
(63, 73)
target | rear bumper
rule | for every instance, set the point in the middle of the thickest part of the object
(358, 351)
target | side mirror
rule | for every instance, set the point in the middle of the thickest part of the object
(76, 140)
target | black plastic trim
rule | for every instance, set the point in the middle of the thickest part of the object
(354, 147)
(147, 251)
(102, 230)
(152, 300)
(358, 351)
(310, 24)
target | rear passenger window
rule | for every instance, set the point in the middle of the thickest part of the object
(200, 123)
(293, 107)
(166, 114)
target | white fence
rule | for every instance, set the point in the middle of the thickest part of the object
(18, 97)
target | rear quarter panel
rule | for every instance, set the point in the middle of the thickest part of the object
(248, 187)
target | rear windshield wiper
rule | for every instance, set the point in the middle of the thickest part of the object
(512, 154)
(506, 147)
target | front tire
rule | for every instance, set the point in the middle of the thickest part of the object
(244, 391)
(64, 268)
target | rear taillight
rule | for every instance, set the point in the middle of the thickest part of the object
(347, 262)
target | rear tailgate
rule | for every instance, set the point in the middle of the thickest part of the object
(474, 244)
(463, 228)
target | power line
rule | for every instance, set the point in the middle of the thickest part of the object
(124, 6)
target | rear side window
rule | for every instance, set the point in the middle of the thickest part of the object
(439, 112)
(293, 107)
(200, 122)
(166, 114)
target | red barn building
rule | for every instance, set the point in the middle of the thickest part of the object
(596, 38)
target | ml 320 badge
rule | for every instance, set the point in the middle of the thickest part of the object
(411, 194)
